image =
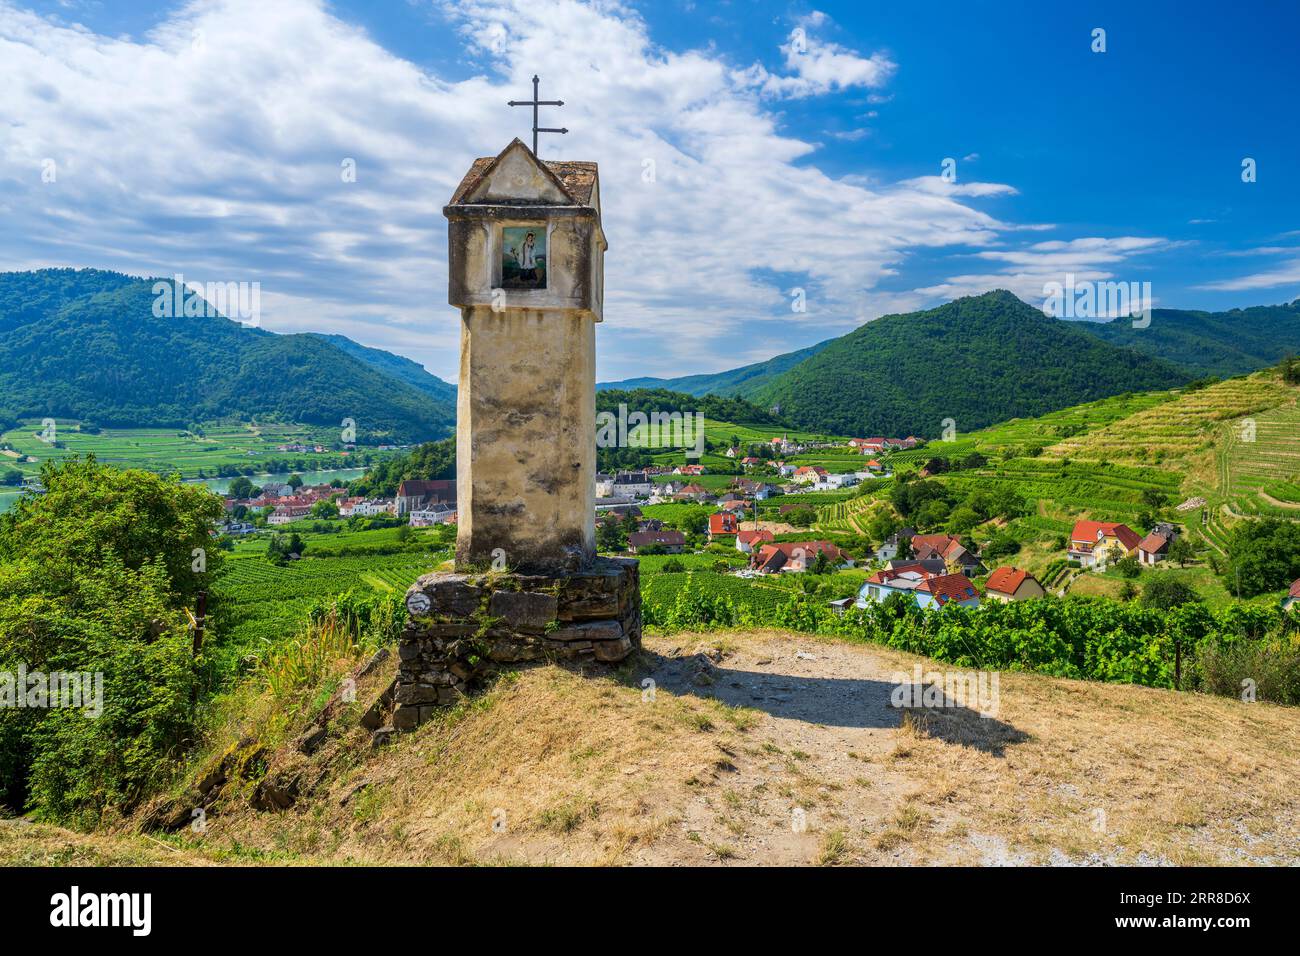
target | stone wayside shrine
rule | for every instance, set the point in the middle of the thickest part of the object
(526, 271)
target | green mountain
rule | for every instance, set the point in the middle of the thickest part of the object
(977, 360)
(398, 366)
(737, 382)
(1211, 343)
(86, 344)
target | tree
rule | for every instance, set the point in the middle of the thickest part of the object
(1164, 593)
(1263, 556)
(94, 578)
(1181, 550)
(294, 482)
(324, 509)
(1154, 498)
(610, 536)
(241, 487)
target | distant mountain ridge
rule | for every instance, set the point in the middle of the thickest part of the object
(743, 381)
(1211, 343)
(86, 344)
(972, 362)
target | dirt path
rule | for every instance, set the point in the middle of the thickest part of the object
(1067, 772)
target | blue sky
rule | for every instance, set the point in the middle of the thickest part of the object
(793, 146)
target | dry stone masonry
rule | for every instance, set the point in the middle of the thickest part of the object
(465, 627)
(526, 270)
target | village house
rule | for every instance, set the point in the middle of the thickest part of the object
(942, 590)
(806, 474)
(737, 507)
(947, 549)
(733, 452)
(432, 515)
(1012, 584)
(889, 548)
(374, 506)
(759, 490)
(1153, 549)
(671, 542)
(690, 470)
(692, 492)
(345, 506)
(795, 557)
(903, 579)
(284, 514)
(1092, 543)
(746, 541)
(1292, 598)
(923, 586)
(751, 462)
(722, 523)
(834, 481)
(604, 485)
(632, 484)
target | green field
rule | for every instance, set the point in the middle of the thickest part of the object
(220, 449)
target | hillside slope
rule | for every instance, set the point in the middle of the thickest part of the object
(398, 366)
(740, 382)
(743, 730)
(85, 344)
(1211, 343)
(976, 360)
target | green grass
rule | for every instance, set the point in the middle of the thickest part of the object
(221, 447)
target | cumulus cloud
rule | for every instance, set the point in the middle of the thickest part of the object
(216, 145)
(815, 66)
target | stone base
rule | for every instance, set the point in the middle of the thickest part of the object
(464, 627)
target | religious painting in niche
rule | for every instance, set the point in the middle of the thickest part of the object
(523, 257)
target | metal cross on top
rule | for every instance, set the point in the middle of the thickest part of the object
(534, 103)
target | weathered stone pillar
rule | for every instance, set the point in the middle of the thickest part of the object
(526, 270)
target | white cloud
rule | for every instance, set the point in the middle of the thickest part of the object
(818, 66)
(1284, 274)
(223, 162)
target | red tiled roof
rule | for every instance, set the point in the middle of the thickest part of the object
(722, 523)
(1153, 543)
(1295, 590)
(948, 587)
(1006, 580)
(1086, 531)
(748, 537)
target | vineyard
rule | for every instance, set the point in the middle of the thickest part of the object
(1259, 463)
(263, 603)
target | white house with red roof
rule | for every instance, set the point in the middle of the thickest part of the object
(1093, 543)
(747, 541)
(1154, 548)
(903, 579)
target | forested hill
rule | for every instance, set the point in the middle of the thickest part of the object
(976, 361)
(1211, 343)
(86, 344)
(744, 381)
(398, 366)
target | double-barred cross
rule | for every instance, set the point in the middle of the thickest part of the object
(534, 103)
